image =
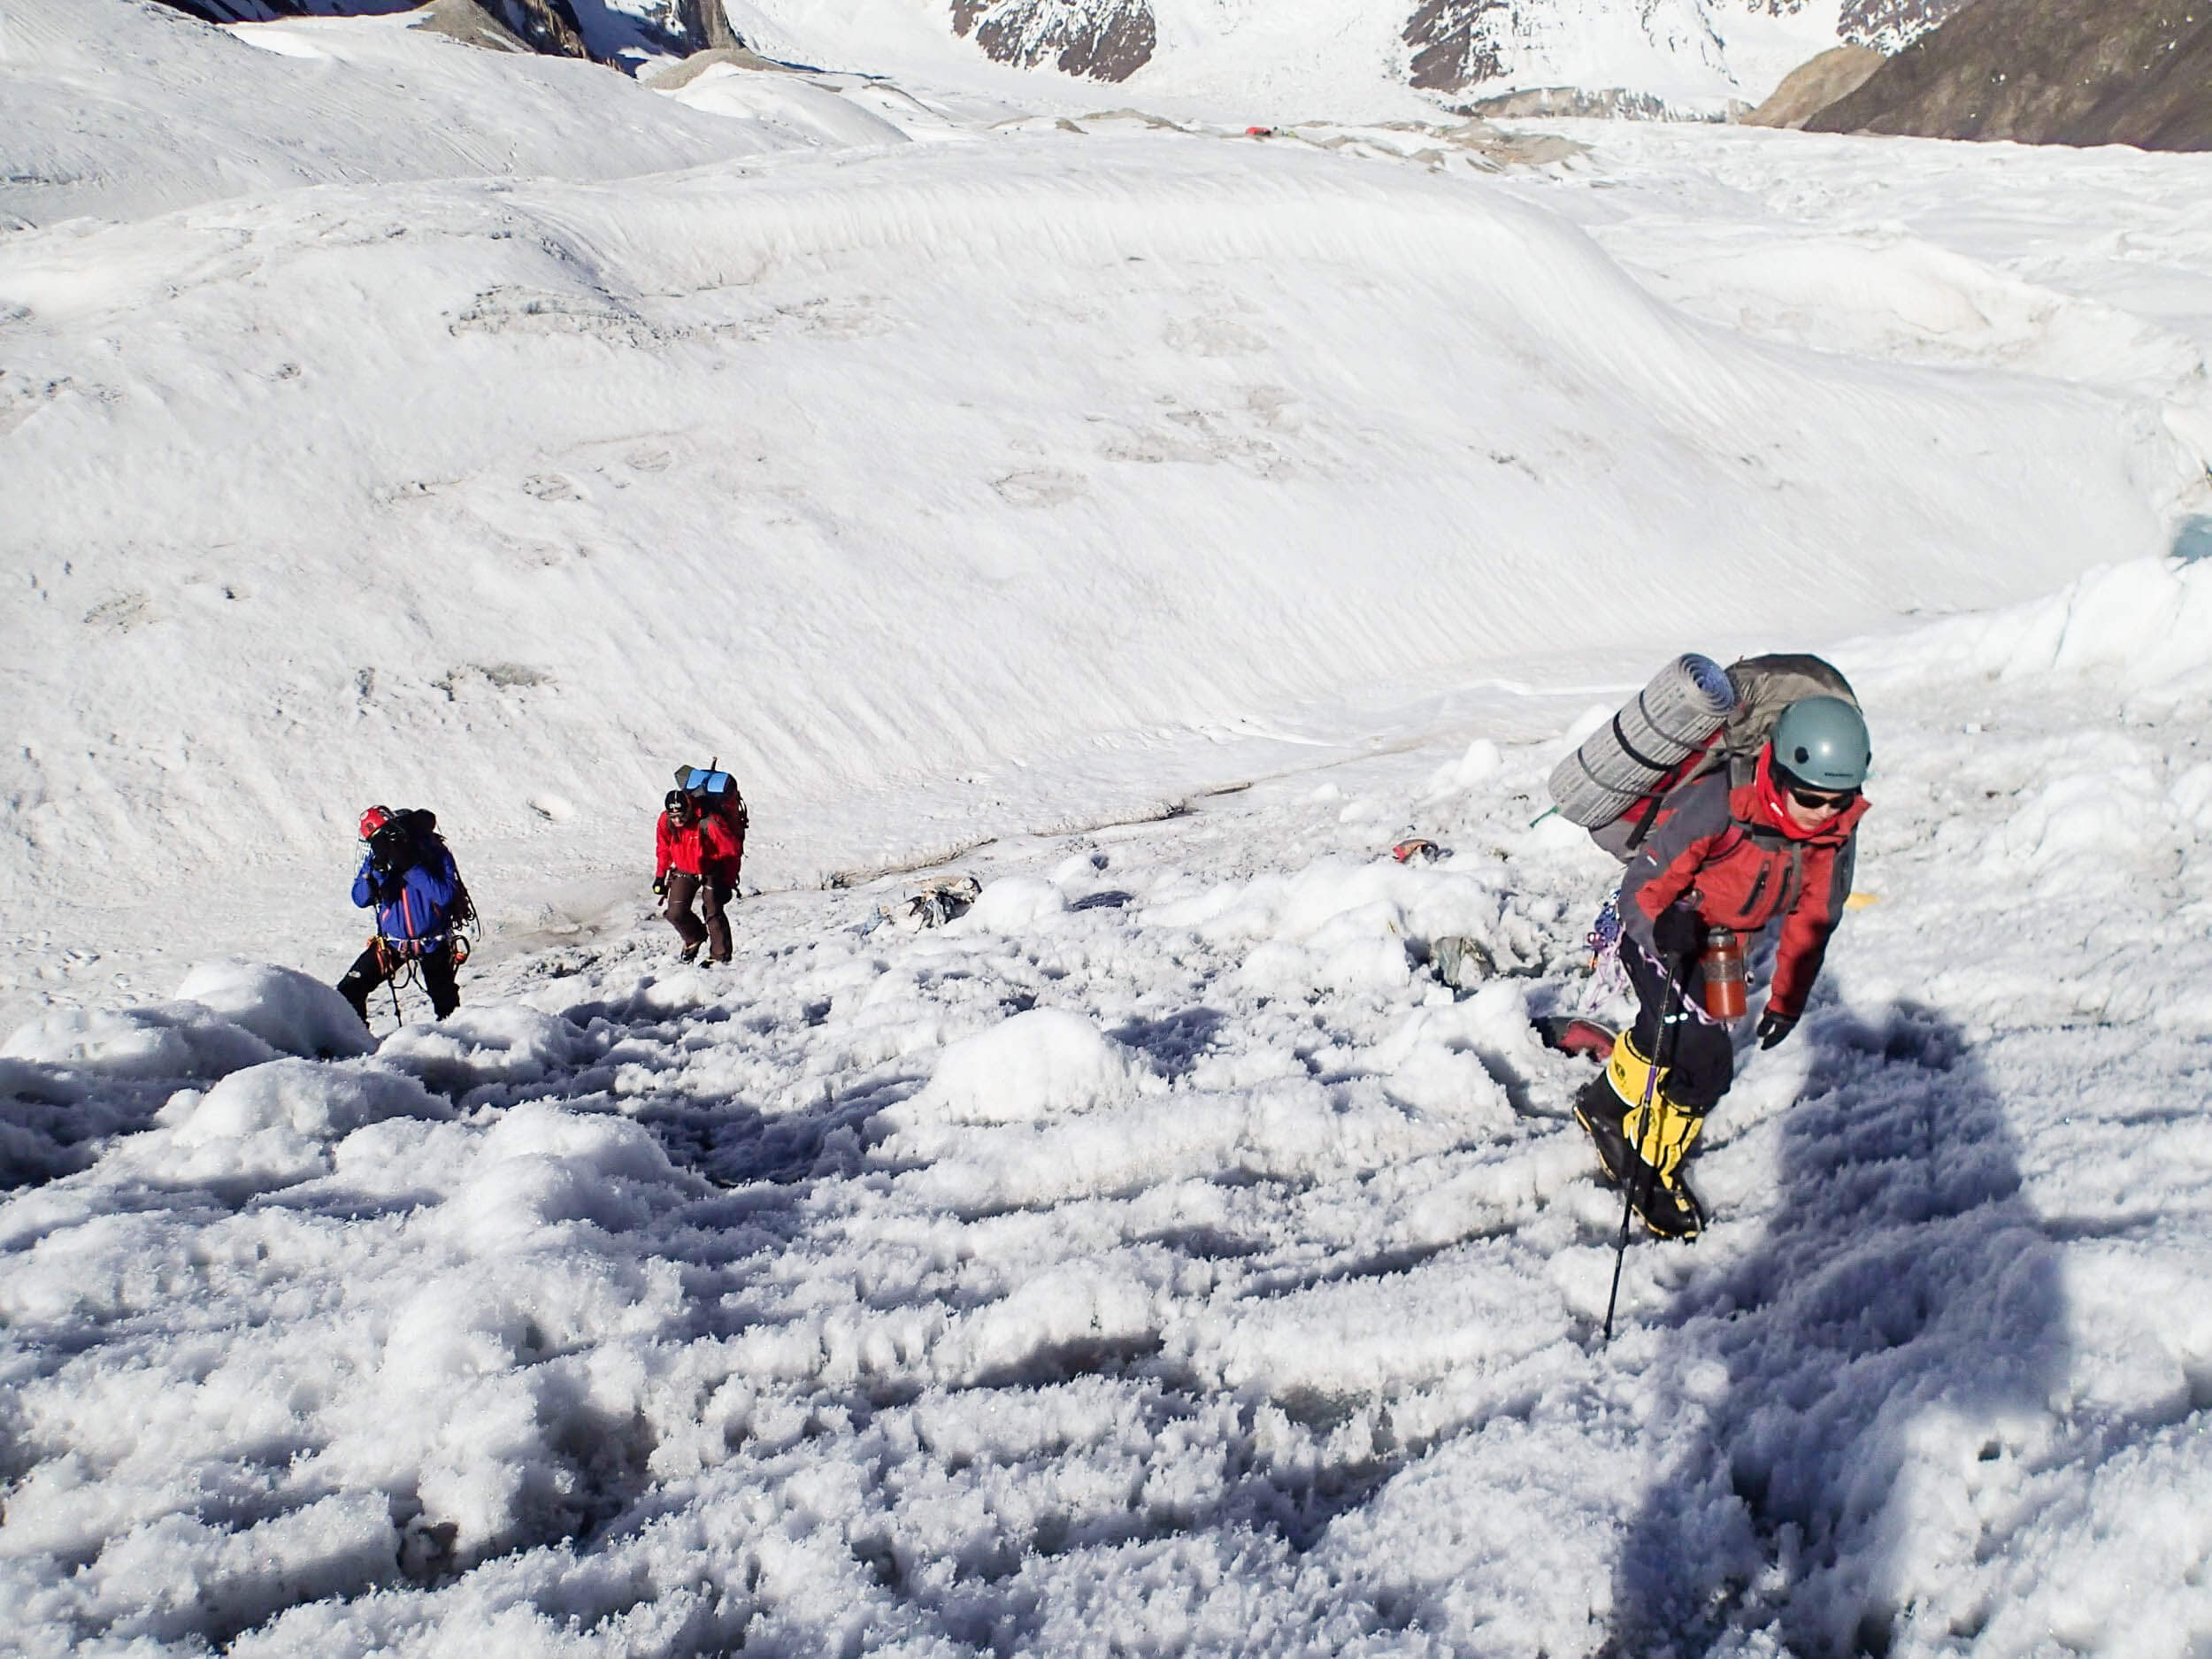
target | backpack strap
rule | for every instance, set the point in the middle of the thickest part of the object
(1688, 769)
(1630, 750)
(1643, 828)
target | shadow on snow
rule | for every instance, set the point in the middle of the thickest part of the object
(1905, 1294)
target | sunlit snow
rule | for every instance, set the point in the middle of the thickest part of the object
(1156, 522)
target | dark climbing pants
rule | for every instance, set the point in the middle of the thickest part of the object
(713, 895)
(369, 972)
(1700, 1057)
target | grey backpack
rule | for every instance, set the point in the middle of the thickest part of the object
(1765, 686)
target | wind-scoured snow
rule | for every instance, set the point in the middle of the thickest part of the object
(2095, 272)
(121, 109)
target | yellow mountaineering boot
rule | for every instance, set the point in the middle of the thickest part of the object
(1605, 1104)
(1644, 1159)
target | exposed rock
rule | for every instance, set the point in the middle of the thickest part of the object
(550, 27)
(680, 75)
(1458, 43)
(1462, 47)
(1890, 26)
(1104, 40)
(2048, 71)
(267, 10)
(703, 24)
(1610, 101)
(543, 25)
(468, 22)
(1815, 84)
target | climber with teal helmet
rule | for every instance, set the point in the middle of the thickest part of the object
(1777, 847)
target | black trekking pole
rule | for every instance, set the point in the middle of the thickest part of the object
(1669, 1005)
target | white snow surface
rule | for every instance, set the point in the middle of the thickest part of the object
(1060, 1277)
(124, 108)
(1157, 1258)
(922, 482)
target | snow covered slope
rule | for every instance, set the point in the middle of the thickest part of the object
(1160, 1257)
(506, 497)
(1280, 60)
(123, 109)
(870, 470)
(2089, 268)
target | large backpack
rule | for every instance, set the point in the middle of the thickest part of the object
(1764, 686)
(714, 791)
(414, 842)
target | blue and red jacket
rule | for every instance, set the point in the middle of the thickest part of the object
(413, 905)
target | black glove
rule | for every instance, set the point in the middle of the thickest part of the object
(660, 887)
(1773, 1027)
(1677, 932)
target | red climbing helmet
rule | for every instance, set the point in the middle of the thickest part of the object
(374, 819)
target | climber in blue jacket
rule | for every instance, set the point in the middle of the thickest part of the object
(409, 876)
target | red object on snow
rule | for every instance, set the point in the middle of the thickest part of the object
(1419, 847)
(1586, 1037)
(1259, 132)
(1573, 1034)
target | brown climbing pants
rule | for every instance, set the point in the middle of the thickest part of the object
(713, 893)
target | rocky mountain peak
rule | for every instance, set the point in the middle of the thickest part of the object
(1101, 40)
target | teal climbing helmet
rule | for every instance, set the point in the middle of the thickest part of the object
(1821, 743)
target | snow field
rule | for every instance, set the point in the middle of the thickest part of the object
(1922, 252)
(1154, 453)
(1172, 392)
(1158, 1257)
(1049, 1279)
(128, 111)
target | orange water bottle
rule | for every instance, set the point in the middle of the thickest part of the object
(1723, 962)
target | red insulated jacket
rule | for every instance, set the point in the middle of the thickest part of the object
(705, 846)
(1735, 855)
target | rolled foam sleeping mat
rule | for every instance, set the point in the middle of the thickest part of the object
(1619, 764)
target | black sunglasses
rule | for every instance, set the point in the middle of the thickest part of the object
(1815, 801)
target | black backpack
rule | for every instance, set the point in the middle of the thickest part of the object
(410, 839)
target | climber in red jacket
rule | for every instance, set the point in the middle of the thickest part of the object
(1780, 846)
(697, 854)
